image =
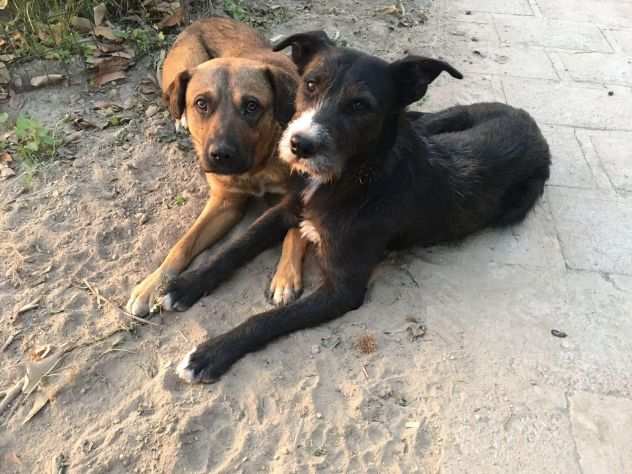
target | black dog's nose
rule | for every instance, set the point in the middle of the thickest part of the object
(221, 152)
(302, 146)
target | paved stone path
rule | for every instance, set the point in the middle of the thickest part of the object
(569, 267)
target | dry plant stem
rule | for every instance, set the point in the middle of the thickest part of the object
(10, 394)
(100, 297)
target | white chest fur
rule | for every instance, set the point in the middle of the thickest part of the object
(309, 231)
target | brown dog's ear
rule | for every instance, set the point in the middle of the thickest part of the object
(304, 46)
(175, 95)
(284, 88)
(413, 74)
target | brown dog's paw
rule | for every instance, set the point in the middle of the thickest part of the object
(286, 286)
(144, 294)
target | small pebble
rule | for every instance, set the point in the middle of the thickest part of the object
(315, 349)
(558, 333)
(610, 93)
(151, 111)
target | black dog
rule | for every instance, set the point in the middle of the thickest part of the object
(377, 178)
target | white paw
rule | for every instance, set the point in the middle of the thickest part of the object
(183, 370)
(167, 302)
(282, 295)
(284, 292)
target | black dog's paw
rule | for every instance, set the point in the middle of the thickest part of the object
(182, 292)
(207, 362)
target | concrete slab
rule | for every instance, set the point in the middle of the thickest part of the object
(594, 230)
(575, 105)
(602, 427)
(603, 12)
(615, 153)
(550, 33)
(623, 39)
(532, 243)
(471, 31)
(484, 58)
(598, 67)
(513, 7)
(447, 91)
(569, 167)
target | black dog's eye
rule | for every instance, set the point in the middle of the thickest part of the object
(310, 86)
(202, 105)
(251, 106)
(359, 105)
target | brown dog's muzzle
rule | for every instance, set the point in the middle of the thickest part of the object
(221, 157)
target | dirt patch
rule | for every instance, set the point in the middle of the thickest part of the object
(103, 216)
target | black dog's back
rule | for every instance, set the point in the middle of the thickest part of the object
(493, 159)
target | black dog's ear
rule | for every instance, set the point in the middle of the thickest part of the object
(175, 95)
(413, 74)
(304, 46)
(284, 88)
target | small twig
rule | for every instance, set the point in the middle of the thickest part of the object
(298, 432)
(121, 310)
(185, 338)
(118, 350)
(9, 340)
(402, 10)
(32, 305)
(365, 372)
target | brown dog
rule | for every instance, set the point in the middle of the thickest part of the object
(236, 96)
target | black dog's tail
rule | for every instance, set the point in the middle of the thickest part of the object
(521, 197)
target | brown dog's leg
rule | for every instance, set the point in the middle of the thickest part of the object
(220, 214)
(287, 283)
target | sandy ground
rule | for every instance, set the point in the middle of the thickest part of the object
(466, 376)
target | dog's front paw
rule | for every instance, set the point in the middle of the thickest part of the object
(144, 294)
(182, 292)
(286, 286)
(207, 362)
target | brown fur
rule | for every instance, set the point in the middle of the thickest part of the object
(226, 62)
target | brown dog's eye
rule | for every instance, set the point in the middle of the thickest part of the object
(202, 105)
(252, 106)
(310, 86)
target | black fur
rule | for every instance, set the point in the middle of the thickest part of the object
(417, 179)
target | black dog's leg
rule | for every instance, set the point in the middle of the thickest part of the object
(209, 360)
(267, 231)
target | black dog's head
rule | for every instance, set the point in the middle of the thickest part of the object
(345, 100)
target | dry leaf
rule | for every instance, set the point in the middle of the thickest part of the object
(107, 33)
(40, 402)
(108, 48)
(6, 157)
(99, 13)
(80, 24)
(109, 77)
(13, 458)
(174, 19)
(46, 80)
(36, 371)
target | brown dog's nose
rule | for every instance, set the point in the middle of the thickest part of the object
(221, 152)
(302, 146)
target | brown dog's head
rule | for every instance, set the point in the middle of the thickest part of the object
(235, 109)
(347, 101)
